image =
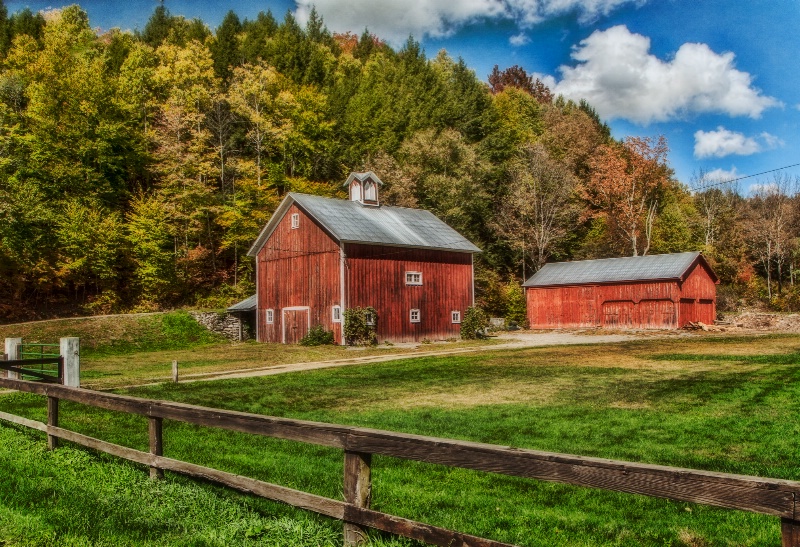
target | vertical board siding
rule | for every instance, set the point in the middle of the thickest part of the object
(297, 268)
(642, 305)
(376, 277)
(698, 297)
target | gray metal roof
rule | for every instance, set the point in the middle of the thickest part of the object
(611, 270)
(352, 222)
(248, 304)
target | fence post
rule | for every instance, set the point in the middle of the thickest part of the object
(357, 491)
(52, 419)
(175, 371)
(790, 533)
(12, 354)
(155, 428)
(71, 352)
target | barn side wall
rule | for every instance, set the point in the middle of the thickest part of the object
(624, 305)
(298, 268)
(698, 297)
(376, 278)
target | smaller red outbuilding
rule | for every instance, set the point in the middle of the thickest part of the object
(645, 292)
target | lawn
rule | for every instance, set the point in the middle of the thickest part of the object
(124, 350)
(726, 404)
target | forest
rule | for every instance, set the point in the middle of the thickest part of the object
(137, 168)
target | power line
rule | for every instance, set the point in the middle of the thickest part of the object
(720, 183)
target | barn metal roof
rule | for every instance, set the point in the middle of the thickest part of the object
(353, 222)
(611, 270)
(248, 304)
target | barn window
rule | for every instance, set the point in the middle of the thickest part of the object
(295, 221)
(369, 319)
(455, 316)
(270, 316)
(337, 314)
(414, 316)
(370, 191)
(413, 278)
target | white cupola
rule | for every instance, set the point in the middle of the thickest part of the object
(363, 188)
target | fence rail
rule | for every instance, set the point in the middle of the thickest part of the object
(768, 496)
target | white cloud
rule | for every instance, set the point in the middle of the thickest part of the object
(722, 142)
(771, 140)
(394, 21)
(618, 75)
(718, 176)
(519, 39)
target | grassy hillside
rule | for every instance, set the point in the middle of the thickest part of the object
(118, 334)
(724, 404)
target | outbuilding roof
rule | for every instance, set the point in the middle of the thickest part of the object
(248, 304)
(612, 270)
(352, 222)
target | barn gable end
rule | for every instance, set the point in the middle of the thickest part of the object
(298, 272)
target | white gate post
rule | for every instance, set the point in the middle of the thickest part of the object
(12, 354)
(71, 352)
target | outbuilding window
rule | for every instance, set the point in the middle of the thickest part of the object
(413, 278)
(455, 315)
(414, 317)
(270, 315)
(295, 221)
(336, 314)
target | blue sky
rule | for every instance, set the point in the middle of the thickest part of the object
(719, 78)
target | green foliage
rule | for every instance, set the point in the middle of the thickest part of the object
(517, 308)
(317, 336)
(360, 326)
(179, 143)
(473, 324)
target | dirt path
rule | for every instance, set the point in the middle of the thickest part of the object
(511, 341)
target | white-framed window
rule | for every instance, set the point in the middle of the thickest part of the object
(414, 316)
(270, 315)
(295, 221)
(370, 191)
(413, 278)
(369, 319)
(455, 316)
(336, 314)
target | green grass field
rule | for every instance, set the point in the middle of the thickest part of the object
(124, 350)
(724, 404)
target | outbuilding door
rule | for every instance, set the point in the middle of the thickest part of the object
(296, 323)
(618, 313)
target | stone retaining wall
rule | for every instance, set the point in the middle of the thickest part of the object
(226, 324)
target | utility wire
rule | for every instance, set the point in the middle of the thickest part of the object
(720, 183)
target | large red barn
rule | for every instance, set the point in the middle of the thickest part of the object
(647, 292)
(319, 256)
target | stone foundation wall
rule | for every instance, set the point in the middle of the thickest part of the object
(226, 324)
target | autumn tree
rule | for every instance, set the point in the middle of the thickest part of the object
(768, 228)
(624, 188)
(537, 211)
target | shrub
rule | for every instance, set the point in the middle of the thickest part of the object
(357, 330)
(317, 336)
(473, 324)
(515, 297)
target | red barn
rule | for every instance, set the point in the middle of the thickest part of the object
(644, 292)
(319, 256)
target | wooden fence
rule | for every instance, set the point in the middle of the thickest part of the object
(760, 495)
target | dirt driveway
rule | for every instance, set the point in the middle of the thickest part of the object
(511, 340)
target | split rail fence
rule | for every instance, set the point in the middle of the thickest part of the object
(775, 497)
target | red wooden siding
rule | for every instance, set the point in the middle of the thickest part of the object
(665, 304)
(376, 277)
(698, 297)
(297, 268)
